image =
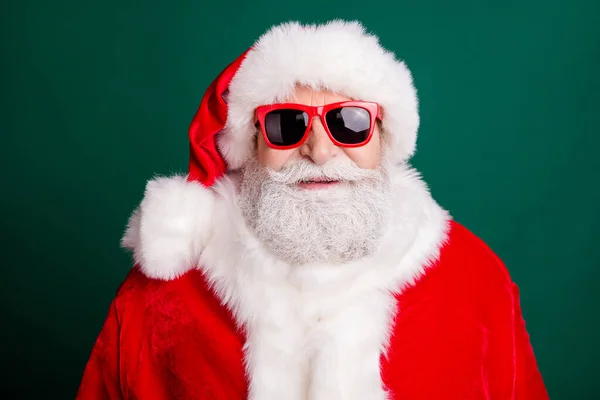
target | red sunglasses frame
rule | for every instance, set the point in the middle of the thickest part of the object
(374, 110)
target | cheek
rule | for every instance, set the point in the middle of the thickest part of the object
(369, 155)
(274, 159)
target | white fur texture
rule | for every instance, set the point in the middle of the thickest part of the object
(339, 56)
(313, 332)
(169, 228)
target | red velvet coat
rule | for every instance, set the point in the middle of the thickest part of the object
(459, 334)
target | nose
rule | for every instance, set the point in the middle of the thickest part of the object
(318, 147)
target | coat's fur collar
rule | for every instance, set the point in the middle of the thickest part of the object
(169, 230)
(315, 331)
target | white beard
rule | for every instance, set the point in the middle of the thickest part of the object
(333, 225)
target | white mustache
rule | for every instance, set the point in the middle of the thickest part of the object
(303, 170)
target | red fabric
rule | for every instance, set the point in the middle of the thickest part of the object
(206, 163)
(459, 334)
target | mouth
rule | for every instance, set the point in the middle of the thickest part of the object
(317, 183)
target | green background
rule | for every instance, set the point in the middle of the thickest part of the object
(97, 98)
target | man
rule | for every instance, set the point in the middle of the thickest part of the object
(301, 257)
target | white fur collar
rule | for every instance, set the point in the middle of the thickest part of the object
(315, 332)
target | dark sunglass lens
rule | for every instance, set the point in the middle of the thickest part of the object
(285, 127)
(349, 125)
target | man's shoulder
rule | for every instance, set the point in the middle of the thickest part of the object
(465, 253)
(174, 334)
(139, 290)
(182, 304)
(467, 271)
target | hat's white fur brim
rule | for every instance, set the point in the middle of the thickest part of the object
(338, 56)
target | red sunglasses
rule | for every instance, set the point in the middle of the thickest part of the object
(348, 123)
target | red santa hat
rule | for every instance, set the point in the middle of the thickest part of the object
(338, 56)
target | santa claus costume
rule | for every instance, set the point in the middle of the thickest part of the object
(208, 312)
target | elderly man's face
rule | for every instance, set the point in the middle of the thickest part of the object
(318, 148)
(341, 220)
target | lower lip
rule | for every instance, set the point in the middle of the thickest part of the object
(316, 185)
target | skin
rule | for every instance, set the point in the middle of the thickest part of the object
(318, 148)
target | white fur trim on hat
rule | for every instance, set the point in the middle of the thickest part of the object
(339, 56)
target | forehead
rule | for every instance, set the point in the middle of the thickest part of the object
(309, 96)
